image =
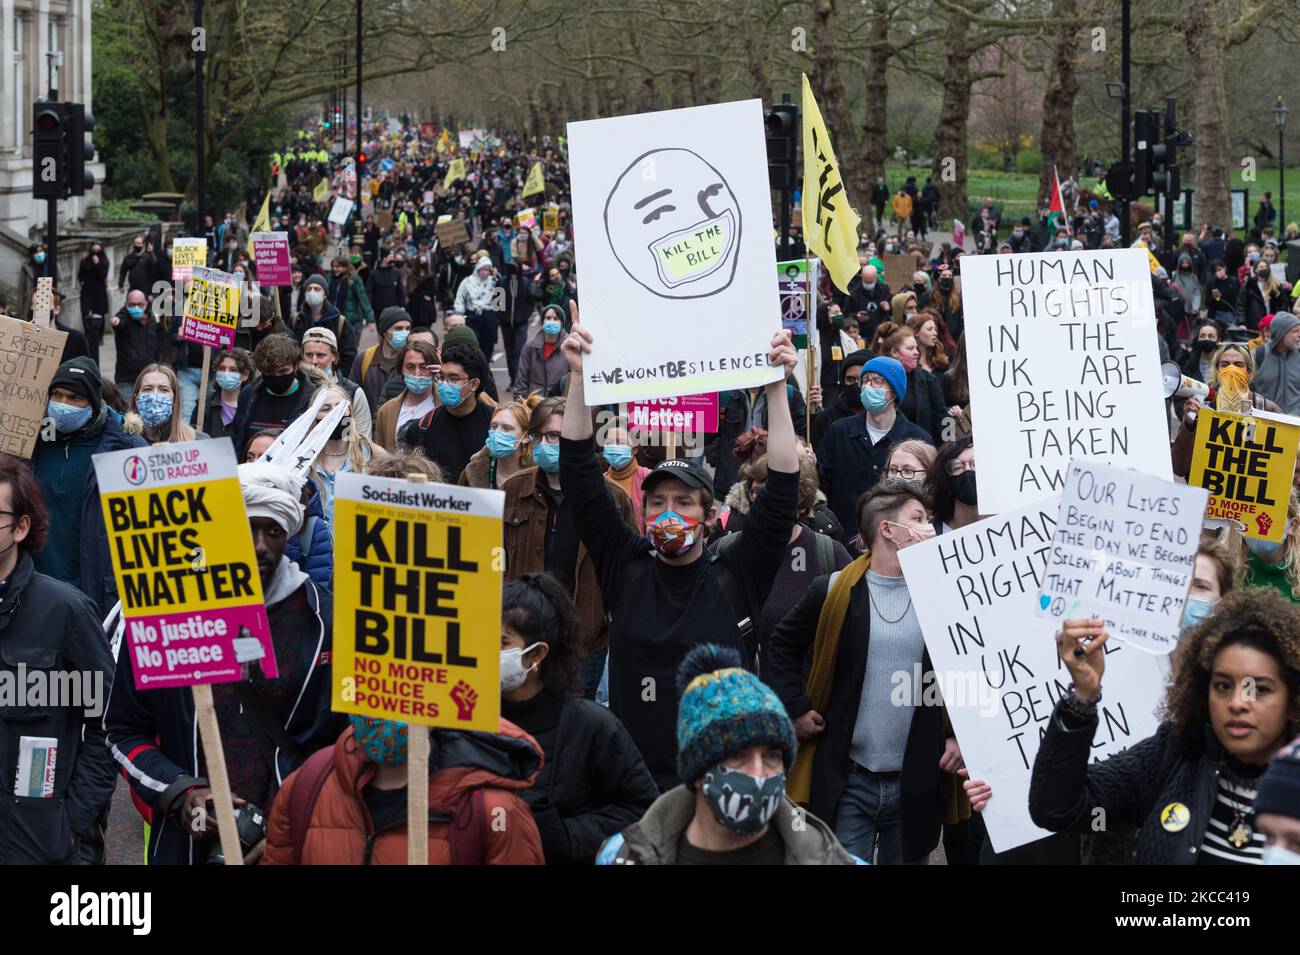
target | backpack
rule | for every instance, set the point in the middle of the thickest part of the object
(365, 363)
(825, 550)
(466, 830)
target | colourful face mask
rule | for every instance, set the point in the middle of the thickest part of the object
(154, 408)
(383, 741)
(671, 534)
(741, 802)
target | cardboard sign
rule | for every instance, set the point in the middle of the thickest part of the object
(211, 309)
(526, 219)
(1064, 364)
(1124, 551)
(340, 211)
(271, 258)
(794, 279)
(384, 220)
(1246, 463)
(188, 254)
(453, 233)
(673, 211)
(685, 413)
(899, 269)
(417, 602)
(29, 357)
(184, 563)
(997, 670)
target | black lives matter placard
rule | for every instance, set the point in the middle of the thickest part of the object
(1064, 363)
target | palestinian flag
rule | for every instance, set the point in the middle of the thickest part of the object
(1056, 208)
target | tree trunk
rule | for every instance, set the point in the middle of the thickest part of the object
(875, 118)
(828, 89)
(1056, 137)
(1205, 48)
(757, 64)
(954, 115)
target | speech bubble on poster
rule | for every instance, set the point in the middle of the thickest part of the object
(1065, 364)
(211, 308)
(29, 357)
(417, 602)
(672, 210)
(187, 255)
(1124, 551)
(995, 661)
(184, 563)
(271, 258)
(1246, 463)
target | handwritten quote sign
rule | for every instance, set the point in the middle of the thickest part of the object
(1064, 363)
(29, 357)
(1246, 463)
(1124, 550)
(996, 663)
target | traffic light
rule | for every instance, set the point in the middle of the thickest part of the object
(49, 150)
(781, 123)
(361, 163)
(1145, 132)
(1155, 153)
(81, 150)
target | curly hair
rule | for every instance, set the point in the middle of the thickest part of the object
(538, 608)
(750, 445)
(1257, 617)
(938, 482)
(938, 355)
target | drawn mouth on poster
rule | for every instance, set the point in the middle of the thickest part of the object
(682, 213)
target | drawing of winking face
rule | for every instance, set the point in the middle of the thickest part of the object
(673, 223)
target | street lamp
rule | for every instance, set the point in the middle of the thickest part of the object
(1279, 118)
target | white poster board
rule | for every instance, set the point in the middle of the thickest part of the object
(340, 211)
(996, 658)
(1064, 363)
(673, 214)
(1124, 551)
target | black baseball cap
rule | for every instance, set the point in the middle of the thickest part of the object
(688, 472)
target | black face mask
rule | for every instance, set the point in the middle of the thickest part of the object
(339, 429)
(963, 488)
(945, 283)
(279, 384)
(919, 287)
(1206, 344)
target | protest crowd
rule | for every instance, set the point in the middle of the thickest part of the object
(701, 628)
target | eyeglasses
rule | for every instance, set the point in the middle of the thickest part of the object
(874, 381)
(550, 437)
(907, 474)
(457, 380)
(958, 466)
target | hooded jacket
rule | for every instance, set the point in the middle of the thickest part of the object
(1277, 376)
(345, 332)
(538, 373)
(341, 830)
(312, 548)
(653, 840)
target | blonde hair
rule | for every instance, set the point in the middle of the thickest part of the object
(360, 448)
(521, 409)
(177, 429)
(923, 451)
(1241, 349)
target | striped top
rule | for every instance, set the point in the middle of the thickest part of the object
(1233, 808)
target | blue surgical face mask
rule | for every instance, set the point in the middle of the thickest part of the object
(418, 384)
(869, 286)
(135, 311)
(1195, 610)
(501, 444)
(551, 328)
(39, 257)
(227, 380)
(547, 457)
(1267, 551)
(874, 399)
(449, 394)
(154, 408)
(398, 339)
(1278, 855)
(619, 456)
(68, 418)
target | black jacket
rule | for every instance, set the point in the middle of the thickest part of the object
(334, 320)
(924, 795)
(50, 627)
(1251, 307)
(93, 279)
(845, 404)
(1132, 786)
(385, 287)
(870, 301)
(242, 425)
(136, 272)
(138, 344)
(593, 783)
(848, 463)
(923, 403)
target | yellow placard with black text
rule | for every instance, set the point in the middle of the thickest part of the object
(417, 602)
(1246, 462)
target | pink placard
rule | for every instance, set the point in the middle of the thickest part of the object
(188, 649)
(271, 256)
(207, 333)
(697, 413)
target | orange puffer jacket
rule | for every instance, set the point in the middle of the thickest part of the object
(341, 825)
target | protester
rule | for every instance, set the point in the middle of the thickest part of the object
(1277, 364)
(268, 726)
(259, 442)
(156, 408)
(1230, 360)
(521, 296)
(138, 339)
(946, 300)
(476, 299)
(1260, 295)
(739, 410)
(930, 335)
(923, 403)
(385, 286)
(909, 461)
(48, 627)
(735, 746)
(316, 312)
(593, 780)
(848, 400)
(664, 601)
(372, 368)
(458, 425)
(507, 450)
(542, 365)
(346, 450)
(950, 484)
(1277, 807)
(320, 350)
(232, 369)
(249, 336)
(347, 293)
(281, 393)
(92, 279)
(418, 362)
(620, 454)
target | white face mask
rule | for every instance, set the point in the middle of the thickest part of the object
(315, 297)
(513, 671)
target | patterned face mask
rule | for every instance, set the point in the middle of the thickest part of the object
(741, 802)
(383, 741)
(671, 534)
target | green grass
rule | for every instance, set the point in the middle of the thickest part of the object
(119, 210)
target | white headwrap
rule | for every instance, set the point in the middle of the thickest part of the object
(273, 492)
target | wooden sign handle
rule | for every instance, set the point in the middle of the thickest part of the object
(417, 776)
(218, 780)
(203, 390)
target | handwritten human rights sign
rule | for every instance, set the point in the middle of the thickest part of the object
(417, 602)
(29, 357)
(211, 309)
(1064, 364)
(1124, 550)
(673, 213)
(183, 558)
(995, 662)
(1246, 463)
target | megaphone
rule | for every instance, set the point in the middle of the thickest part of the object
(1178, 385)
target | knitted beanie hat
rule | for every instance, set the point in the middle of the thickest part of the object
(723, 709)
(1279, 787)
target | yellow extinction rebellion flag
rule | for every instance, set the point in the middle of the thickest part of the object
(261, 224)
(455, 171)
(830, 229)
(535, 183)
(321, 192)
